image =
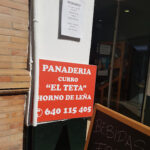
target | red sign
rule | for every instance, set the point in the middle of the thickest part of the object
(66, 90)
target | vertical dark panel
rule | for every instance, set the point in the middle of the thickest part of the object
(147, 112)
(77, 133)
(66, 135)
(45, 136)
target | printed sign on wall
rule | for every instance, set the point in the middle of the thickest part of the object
(66, 90)
(72, 16)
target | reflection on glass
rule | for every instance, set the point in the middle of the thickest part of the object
(131, 56)
(103, 32)
(134, 31)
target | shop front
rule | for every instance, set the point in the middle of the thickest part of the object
(118, 44)
(74, 74)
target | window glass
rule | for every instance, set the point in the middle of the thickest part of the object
(120, 49)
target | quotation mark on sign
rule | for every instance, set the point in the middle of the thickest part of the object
(40, 112)
(84, 86)
(47, 86)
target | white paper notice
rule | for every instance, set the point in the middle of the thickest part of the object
(72, 13)
(105, 49)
